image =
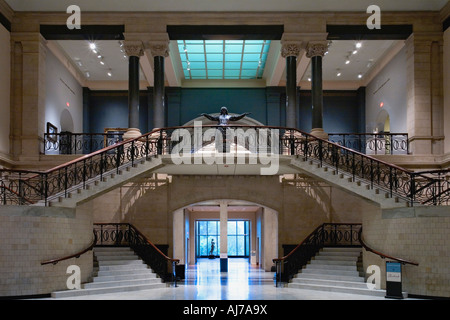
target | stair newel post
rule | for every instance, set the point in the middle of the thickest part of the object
(353, 166)
(320, 152)
(65, 181)
(291, 140)
(391, 181)
(146, 147)
(45, 187)
(84, 174)
(101, 166)
(132, 152)
(174, 273)
(371, 173)
(305, 149)
(412, 187)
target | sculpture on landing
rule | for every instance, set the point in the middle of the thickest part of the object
(224, 119)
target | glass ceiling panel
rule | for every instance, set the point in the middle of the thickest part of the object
(223, 59)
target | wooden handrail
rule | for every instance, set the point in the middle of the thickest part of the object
(76, 255)
(298, 246)
(15, 193)
(382, 255)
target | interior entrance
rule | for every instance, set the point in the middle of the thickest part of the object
(207, 236)
(226, 229)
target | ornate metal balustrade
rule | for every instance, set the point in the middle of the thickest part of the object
(373, 143)
(125, 234)
(79, 143)
(326, 235)
(24, 187)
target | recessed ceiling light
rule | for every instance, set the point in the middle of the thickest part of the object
(359, 45)
(110, 74)
(360, 76)
(92, 46)
(102, 63)
(355, 52)
(347, 61)
(338, 74)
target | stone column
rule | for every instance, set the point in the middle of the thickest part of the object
(134, 50)
(290, 51)
(316, 51)
(223, 236)
(159, 50)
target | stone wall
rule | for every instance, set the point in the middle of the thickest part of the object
(31, 235)
(302, 204)
(417, 234)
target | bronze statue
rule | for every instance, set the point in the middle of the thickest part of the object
(223, 120)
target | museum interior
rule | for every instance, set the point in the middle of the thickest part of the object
(307, 141)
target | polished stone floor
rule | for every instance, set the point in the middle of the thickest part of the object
(204, 281)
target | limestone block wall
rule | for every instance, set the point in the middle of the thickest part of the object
(301, 205)
(418, 234)
(30, 235)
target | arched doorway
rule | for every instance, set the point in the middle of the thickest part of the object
(191, 240)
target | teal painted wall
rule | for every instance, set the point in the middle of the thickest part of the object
(343, 110)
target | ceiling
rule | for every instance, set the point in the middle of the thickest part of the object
(229, 5)
(109, 63)
(115, 64)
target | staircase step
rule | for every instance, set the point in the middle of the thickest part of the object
(143, 275)
(336, 257)
(121, 272)
(336, 277)
(329, 282)
(82, 292)
(120, 283)
(373, 292)
(333, 262)
(353, 273)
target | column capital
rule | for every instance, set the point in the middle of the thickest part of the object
(289, 48)
(159, 48)
(315, 49)
(133, 48)
(291, 45)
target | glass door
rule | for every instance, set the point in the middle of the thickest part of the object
(239, 238)
(208, 238)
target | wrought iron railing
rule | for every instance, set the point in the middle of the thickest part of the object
(79, 143)
(326, 235)
(373, 143)
(22, 187)
(125, 234)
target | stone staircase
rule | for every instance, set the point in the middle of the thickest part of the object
(345, 181)
(116, 269)
(334, 270)
(109, 180)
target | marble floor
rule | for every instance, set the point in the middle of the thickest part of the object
(204, 281)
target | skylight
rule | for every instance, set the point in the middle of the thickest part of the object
(223, 59)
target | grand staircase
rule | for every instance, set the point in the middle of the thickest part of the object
(116, 269)
(334, 269)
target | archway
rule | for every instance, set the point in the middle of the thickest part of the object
(263, 228)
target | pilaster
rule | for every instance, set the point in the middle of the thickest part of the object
(28, 94)
(424, 93)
